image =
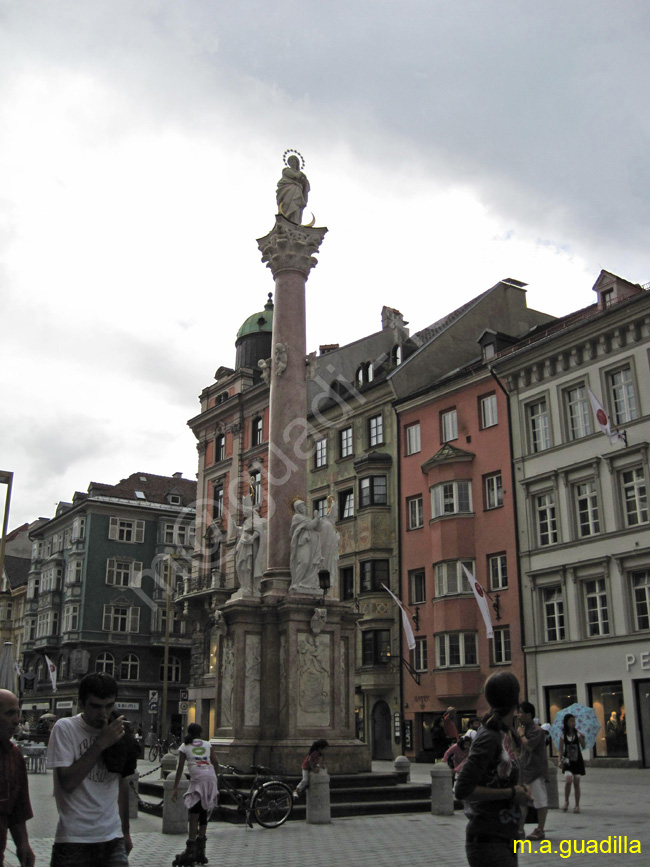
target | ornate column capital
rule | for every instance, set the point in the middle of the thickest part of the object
(290, 247)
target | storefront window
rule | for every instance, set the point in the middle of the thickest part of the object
(607, 700)
(558, 697)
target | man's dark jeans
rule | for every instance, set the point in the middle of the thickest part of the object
(109, 854)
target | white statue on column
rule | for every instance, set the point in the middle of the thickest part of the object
(329, 540)
(250, 551)
(306, 555)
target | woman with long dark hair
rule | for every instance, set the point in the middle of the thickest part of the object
(488, 780)
(570, 760)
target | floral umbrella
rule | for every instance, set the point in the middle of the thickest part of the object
(586, 723)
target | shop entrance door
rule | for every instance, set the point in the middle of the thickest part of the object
(643, 704)
(381, 732)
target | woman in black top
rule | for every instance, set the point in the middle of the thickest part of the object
(570, 760)
(487, 782)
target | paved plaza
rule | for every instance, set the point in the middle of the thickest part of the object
(615, 802)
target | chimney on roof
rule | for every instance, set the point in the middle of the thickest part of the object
(324, 348)
(177, 476)
(392, 318)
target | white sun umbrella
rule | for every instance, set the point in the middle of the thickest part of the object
(7, 667)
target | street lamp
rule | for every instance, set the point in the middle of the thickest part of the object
(324, 582)
(6, 478)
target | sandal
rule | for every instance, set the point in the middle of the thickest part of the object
(576, 809)
(565, 807)
(537, 834)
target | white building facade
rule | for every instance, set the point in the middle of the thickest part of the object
(582, 513)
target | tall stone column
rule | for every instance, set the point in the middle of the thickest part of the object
(288, 251)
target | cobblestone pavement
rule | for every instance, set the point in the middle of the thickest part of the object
(614, 802)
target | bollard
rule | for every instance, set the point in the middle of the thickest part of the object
(174, 819)
(133, 795)
(403, 768)
(318, 799)
(167, 765)
(442, 794)
(552, 782)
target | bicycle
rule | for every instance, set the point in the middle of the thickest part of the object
(270, 802)
(161, 748)
(156, 751)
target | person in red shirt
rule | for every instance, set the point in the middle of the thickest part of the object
(312, 762)
(15, 807)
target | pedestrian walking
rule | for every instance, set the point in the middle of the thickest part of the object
(570, 760)
(15, 807)
(93, 801)
(533, 766)
(488, 780)
(201, 797)
(312, 762)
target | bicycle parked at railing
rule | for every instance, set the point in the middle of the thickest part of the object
(161, 748)
(269, 800)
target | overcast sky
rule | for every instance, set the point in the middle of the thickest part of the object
(448, 145)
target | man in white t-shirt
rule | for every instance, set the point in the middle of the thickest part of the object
(93, 802)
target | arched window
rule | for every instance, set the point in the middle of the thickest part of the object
(370, 373)
(105, 663)
(130, 667)
(174, 675)
(397, 355)
(360, 375)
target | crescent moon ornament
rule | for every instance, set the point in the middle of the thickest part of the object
(313, 220)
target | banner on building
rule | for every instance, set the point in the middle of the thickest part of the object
(481, 599)
(406, 623)
(51, 667)
(604, 421)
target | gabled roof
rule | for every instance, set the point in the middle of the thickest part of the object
(447, 454)
(16, 570)
(154, 488)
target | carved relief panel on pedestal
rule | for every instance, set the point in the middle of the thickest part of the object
(314, 680)
(252, 680)
(227, 679)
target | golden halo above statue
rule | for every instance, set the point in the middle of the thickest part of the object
(291, 152)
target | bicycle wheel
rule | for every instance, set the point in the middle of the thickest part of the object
(272, 804)
(153, 753)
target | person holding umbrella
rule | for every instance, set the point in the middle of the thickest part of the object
(570, 760)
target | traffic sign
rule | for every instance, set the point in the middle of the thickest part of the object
(153, 695)
(183, 706)
(185, 695)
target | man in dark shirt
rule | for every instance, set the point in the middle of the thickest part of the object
(15, 808)
(533, 765)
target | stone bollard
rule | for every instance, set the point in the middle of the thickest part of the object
(133, 795)
(442, 795)
(552, 783)
(403, 768)
(167, 765)
(318, 799)
(174, 818)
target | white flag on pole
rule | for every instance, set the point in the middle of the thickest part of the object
(603, 419)
(479, 593)
(52, 669)
(406, 623)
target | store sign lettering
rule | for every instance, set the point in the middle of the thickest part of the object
(643, 660)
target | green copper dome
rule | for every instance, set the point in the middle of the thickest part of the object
(258, 322)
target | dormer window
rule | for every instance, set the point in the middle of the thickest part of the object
(174, 500)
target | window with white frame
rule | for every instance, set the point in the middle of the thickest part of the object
(597, 617)
(71, 618)
(501, 645)
(257, 431)
(622, 396)
(417, 586)
(451, 498)
(641, 598)
(576, 406)
(105, 663)
(376, 430)
(413, 439)
(449, 425)
(498, 571)
(78, 529)
(373, 491)
(121, 618)
(122, 530)
(546, 519)
(217, 500)
(346, 447)
(538, 426)
(255, 488)
(74, 571)
(220, 448)
(30, 629)
(489, 411)
(123, 573)
(553, 601)
(130, 667)
(320, 453)
(415, 512)
(320, 506)
(451, 579)
(176, 623)
(635, 497)
(419, 654)
(456, 649)
(173, 670)
(586, 505)
(346, 504)
(493, 491)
